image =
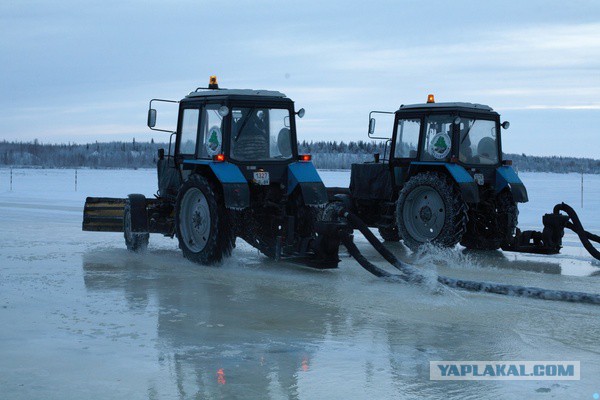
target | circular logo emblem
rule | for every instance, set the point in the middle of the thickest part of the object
(440, 146)
(213, 143)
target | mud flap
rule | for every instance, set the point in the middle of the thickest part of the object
(236, 195)
(139, 213)
(506, 177)
(313, 193)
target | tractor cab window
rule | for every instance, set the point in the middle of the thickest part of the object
(438, 138)
(407, 139)
(259, 133)
(211, 137)
(189, 131)
(478, 142)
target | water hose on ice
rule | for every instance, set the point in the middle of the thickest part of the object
(575, 225)
(412, 274)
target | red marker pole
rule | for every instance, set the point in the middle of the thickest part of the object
(221, 376)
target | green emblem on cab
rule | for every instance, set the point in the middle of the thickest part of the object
(213, 144)
(440, 146)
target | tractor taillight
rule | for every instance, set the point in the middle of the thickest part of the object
(219, 157)
(507, 163)
(304, 157)
(430, 99)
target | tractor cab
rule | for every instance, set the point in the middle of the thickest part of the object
(443, 179)
(464, 134)
(254, 130)
(456, 138)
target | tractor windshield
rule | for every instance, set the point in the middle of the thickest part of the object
(260, 134)
(478, 142)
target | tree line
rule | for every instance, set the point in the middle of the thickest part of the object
(325, 155)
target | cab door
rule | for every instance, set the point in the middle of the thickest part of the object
(187, 132)
(405, 148)
(212, 137)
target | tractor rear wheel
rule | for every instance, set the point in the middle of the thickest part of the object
(491, 224)
(430, 209)
(201, 223)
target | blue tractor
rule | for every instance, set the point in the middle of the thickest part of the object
(443, 181)
(234, 172)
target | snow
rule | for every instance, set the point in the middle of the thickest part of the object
(83, 318)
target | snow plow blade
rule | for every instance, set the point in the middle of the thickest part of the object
(103, 214)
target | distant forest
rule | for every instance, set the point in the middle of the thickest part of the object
(326, 155)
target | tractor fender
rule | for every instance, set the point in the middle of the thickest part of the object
(468, 187)
(139, 213)
(228, 176)
(506, 177)
(303, 175)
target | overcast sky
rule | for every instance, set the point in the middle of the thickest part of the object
(84, 71)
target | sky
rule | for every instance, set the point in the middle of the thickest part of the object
(84, 71)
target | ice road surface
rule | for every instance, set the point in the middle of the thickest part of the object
(81, 318)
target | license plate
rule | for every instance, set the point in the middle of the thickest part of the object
(479, 179)
(261, 178)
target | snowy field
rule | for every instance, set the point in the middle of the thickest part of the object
(81, 318)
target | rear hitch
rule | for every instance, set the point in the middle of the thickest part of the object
(328, 239)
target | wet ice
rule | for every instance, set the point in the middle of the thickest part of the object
(83, 318)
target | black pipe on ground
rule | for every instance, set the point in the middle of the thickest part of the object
(413, 275)
(366, 264)
(575, 225)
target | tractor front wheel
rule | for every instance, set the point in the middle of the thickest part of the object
(430, 209)
(201, 223)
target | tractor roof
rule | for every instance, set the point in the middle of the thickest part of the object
(239, 93)
(439, 106)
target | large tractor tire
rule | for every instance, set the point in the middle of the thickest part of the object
(492, 224)
(201, 223)
(134, 241)
(430, 209)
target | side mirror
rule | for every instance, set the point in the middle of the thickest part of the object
(505, 124)
(301, 112)
(371, 126)
(151, 118)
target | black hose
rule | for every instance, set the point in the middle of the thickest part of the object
(575, 226)
(366, 264)
(411, 274)
(521, 291)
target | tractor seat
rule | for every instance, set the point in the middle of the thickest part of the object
(251, 147)
(284, 144)
(486, 147)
